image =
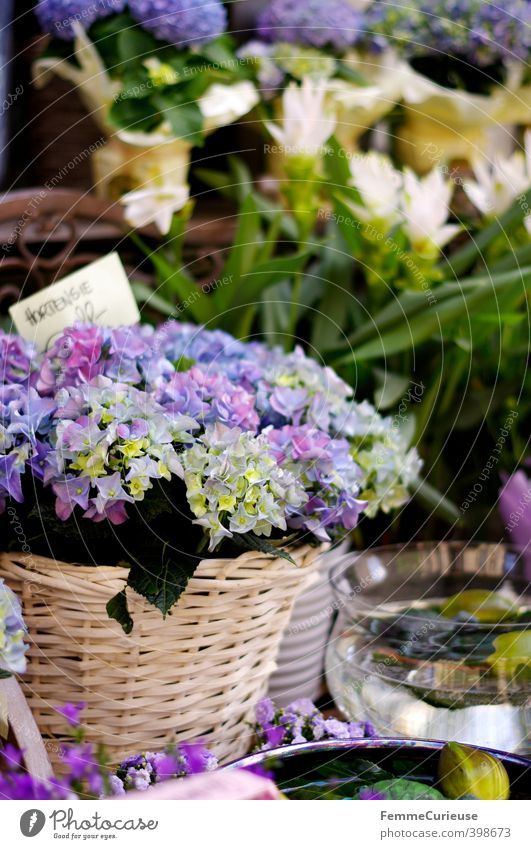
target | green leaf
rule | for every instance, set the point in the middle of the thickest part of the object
(134, 114)
(5, 674)
(163, 583)
(117, 609)
(401, 788)
(218, 53)
(336, 163)
(347, 72)
(135, 44)
(349, 226)
(254, 543)
(243, 252)
(464, 258)
(268, 273)
(435, 501)
(145, 295)
(389, 388)
(185, 119)
(417, 325)
(172, 279)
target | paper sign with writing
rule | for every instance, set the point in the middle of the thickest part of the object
(97, 294)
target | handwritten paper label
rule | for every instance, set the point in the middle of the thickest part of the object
(97, 294)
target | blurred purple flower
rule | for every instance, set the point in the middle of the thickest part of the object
(184, 23)
(71, 712)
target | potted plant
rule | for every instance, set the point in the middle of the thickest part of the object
(142, 448)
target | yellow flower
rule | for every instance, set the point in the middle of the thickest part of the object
(227, 502)
(252, 475)
(198, 505)
(134, 447)
(137, 488)
(160, 73)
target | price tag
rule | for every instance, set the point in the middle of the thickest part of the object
(97, 294)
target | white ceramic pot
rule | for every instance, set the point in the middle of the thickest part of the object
(300, 661)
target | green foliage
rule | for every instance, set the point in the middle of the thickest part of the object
(146, 99)
(401, 788)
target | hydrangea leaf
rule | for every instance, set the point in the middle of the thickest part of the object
(117, 609)
(164, 584)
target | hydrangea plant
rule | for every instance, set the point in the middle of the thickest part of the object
(204, 440)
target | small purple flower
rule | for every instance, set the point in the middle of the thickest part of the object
(80, 760)
(116, 786)
(71, 491)
(72, 712)
(264, 711)
(275, 736)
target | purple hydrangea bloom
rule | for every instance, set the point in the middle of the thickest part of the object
(328, 473)
(334, 23)
(24, 416)
(184, 23)
(209, 398)
(56, 16)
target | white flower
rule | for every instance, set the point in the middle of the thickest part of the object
(379, 185)
(499, 182)
(155, 204)
(425, 205)
(221, 105)
(306, 123)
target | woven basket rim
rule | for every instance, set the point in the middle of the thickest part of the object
(25, 560)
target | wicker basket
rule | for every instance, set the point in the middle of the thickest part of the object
(196, 675)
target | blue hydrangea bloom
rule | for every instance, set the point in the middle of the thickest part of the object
(184, 23)
(334, 23)
(478, 32)
(56, 16)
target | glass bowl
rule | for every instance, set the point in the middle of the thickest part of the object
(397, 661)
(309, 770)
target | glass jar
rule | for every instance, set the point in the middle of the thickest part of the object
(433, 641)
